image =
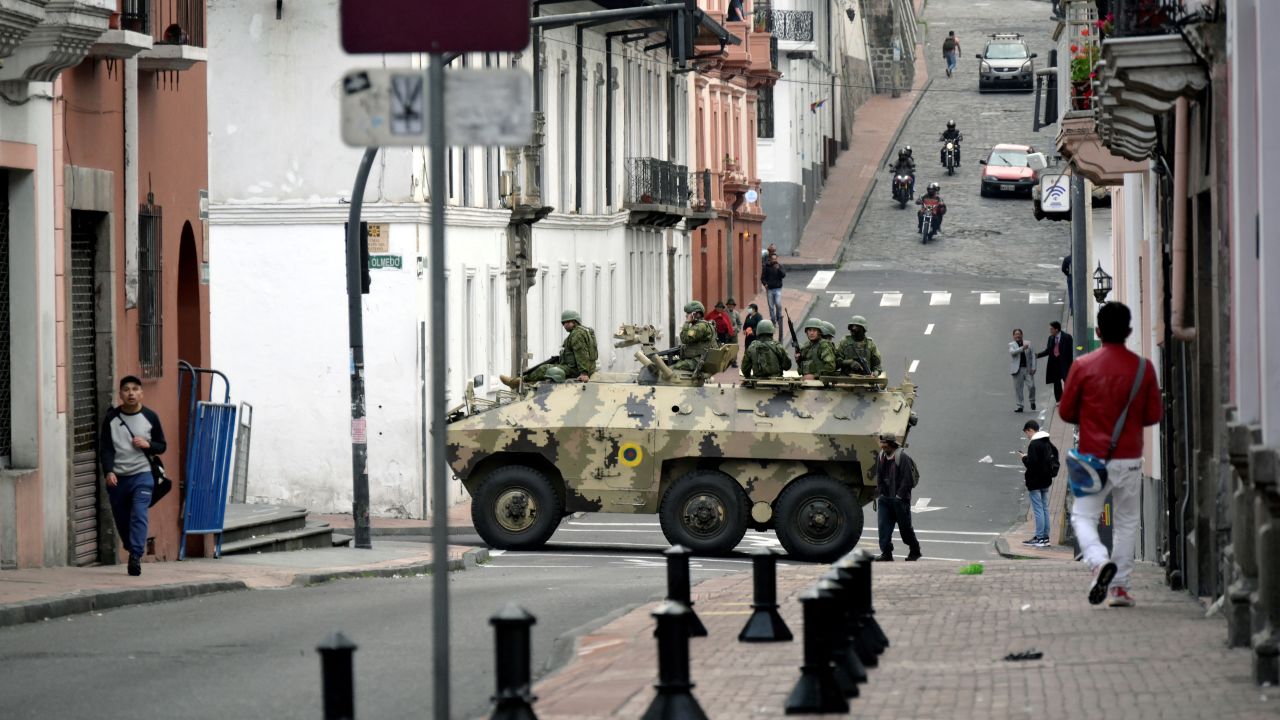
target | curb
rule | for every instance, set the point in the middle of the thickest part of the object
(469, 559)
(37, 610)
(403, 531)
(866, 195)
(833, 265)
(1003, 549)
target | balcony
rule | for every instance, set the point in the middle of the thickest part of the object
(46, 38)
(1141, 75)
(701, 207)
(794, 29)
(737, 57)
(1078, 142)
(657, 191)
(176, 28)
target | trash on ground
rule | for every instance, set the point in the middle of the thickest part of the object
(1031, 654)
(973, 569)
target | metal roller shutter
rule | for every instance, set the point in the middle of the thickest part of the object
(84, 387)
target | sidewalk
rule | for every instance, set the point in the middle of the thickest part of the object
(38, 594)
(1162, 659)
(459, 519)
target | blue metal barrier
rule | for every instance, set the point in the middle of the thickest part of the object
(211, 426)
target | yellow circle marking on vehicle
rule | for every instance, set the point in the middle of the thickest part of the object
(630, 455)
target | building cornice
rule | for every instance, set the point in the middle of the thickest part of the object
(331, 212)
(60, 41)
(17, 19)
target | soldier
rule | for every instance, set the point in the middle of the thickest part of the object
(577, 358)
(696, 338)
(765, 358)
(818, 357)
(857, 353)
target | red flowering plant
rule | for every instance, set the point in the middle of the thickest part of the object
(1084, 55)
(1103, 27)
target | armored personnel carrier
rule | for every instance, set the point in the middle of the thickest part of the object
(711, 459)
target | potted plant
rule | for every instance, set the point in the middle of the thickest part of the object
(1084, 56)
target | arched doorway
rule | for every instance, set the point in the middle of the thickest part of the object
(190, 319)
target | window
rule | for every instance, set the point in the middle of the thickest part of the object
(764, 113)
(566, 177)
(468, 327)
(150, 284)
(492, 312)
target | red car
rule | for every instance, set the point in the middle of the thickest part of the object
(1006, 171)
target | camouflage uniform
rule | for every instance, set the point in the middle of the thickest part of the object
(575, 358)
(854, 355)
(818, 358)
(696, 338)
(765, 358)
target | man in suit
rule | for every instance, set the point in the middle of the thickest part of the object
(1059, 352)
(1022, 368)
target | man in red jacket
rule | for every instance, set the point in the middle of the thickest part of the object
(1097, 389)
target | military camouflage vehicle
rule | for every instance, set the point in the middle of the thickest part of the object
(711, 459)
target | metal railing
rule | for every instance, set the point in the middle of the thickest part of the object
(700, 190)
(168, 22)
(651, 181)
(793, 25)
(1135, 18)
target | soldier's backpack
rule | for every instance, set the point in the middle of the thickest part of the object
(1054, 464)
(764, 361)
(594, 352)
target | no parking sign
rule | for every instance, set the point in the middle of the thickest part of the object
(1055, 193)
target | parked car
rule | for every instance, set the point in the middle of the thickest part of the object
(1006, 63)
(1006, 171)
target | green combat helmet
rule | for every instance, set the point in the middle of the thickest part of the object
(694, 306)
(555, 373)
(573, 315)
(858, 320)
(814, 323)
(828, 330)
(765, 327)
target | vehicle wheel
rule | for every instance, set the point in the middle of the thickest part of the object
(516, 508)
(982, 190)
(706, 511)
(902, 204)
(818, 518)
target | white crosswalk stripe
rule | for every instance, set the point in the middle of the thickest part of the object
(939, 297)
(989, 298)
(821, 279)
(891, 299)
(842, 300)
(1038, 298)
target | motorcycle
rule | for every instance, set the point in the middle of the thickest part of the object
(926, 222)
(950, 156)
(903, 189)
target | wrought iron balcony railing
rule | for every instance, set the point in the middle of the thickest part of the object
(1136, 18)
(168, 22)
(793, 25)
(700, 191)
(651, 181)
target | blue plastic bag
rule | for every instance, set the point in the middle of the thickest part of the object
(1086, 474)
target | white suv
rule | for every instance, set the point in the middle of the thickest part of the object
(1006, 62)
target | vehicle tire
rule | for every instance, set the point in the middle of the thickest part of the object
(982, 190)
(516, 508)
(902, 204)
(705, 511)
(818, 518)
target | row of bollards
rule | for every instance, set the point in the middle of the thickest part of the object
(841, 640)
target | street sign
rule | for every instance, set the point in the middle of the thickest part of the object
(385, 262)
(1055, 193)
(434, 26)
(484, 107)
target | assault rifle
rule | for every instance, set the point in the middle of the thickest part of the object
(795, 344)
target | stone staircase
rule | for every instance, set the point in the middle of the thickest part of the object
(274, 528)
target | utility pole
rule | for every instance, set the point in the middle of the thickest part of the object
(1079, 260)
(355, 329)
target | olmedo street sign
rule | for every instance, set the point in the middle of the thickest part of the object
(434, 26)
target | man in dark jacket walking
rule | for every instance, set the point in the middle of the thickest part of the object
(1058, 350)
(893, 507)
(1041, 460)
(771, 276)
(130, 435)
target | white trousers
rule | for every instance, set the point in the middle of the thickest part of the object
(1124, 485)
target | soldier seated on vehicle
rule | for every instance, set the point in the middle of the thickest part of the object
(858, 354)
(577, 358)
(818, 357)
(764, 358)
(696, 338)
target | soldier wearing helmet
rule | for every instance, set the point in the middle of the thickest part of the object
(818, 357)
(764, 357)
(696, 338)
(577, 358)
(857, 353)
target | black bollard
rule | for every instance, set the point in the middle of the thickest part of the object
(678, 586)
(674, 700)
(817, 691)
(843, 653)
(514, 698)
(837, 646)
(337, 677)
(765, 624)
(862, 592)
(864, 651)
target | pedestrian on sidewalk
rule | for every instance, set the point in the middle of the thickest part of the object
(750, 322)
(951, 52)
(731, 309)
(1059, 353)
(764, 254)
(130, 435)
(1071, 298)
(771, 278)
(1111, 394)
(1023, 369)
(1041, 461)
(895, 476)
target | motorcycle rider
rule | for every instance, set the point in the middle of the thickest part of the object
(906, 165)
(951, 134)
(931, 197)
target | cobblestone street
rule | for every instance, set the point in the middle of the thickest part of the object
(989, 237)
